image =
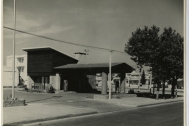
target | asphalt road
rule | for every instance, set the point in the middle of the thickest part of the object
(164, 115)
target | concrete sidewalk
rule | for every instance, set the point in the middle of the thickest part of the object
(142, 101)
(47, 107)
(40, 112)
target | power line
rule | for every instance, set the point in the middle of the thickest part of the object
(40, 36)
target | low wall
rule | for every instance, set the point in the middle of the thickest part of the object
(119, 96)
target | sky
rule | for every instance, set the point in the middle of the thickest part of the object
(99, 23)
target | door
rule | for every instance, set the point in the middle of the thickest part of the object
(46, 82)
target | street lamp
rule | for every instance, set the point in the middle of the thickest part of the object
(13, 61)
(110, 73)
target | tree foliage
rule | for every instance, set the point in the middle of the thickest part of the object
(163, 53)
(142, 44)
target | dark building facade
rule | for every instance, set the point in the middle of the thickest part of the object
(41, 62)
(92, 77)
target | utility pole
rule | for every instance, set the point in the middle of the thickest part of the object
(110, 73)
(13, 61)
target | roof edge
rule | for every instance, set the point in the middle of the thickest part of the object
(46, 47)
(115, 64)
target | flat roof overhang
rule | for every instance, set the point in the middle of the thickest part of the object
(116, 67)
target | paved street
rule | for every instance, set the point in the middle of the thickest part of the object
(164, 115)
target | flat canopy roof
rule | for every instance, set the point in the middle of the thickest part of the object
(96, 65)
(45, 48)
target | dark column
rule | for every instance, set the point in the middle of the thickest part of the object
(174, 83)
(122, 83)
(42, 83)
(157, 92)
(104, 83)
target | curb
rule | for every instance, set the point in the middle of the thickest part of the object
(137, 106)
(21, 123)
(127, 105)
(23, 91)
(145, 105)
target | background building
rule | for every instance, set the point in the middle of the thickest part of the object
(20, 70)
(133, 79)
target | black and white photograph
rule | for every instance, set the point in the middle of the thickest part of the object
(93, 63)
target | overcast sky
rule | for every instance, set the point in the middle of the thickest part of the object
(101, 23)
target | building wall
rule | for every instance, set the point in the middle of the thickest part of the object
(42, 62)
(59, 59)
(39, 61)
(30, 82)
(92, 80)
(7, 78)
(18, 64)
(55, 82)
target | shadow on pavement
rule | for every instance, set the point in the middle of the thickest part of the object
(45, 99)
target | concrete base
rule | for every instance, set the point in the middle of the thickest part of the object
(119, 96)
(99, 96)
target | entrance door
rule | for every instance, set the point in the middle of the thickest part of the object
(45, 82)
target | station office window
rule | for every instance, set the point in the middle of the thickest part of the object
(21, 60)
(21, 69)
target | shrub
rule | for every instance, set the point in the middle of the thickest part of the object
(13, 102)
(52, 90)
(8, 97)
(26, 89)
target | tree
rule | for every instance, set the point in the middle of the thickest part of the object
(170, 57)
(142, 45)
(164, 53)
(143, 79)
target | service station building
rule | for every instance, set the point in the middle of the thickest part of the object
(50, 67)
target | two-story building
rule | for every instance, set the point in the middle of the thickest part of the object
(20, 70)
